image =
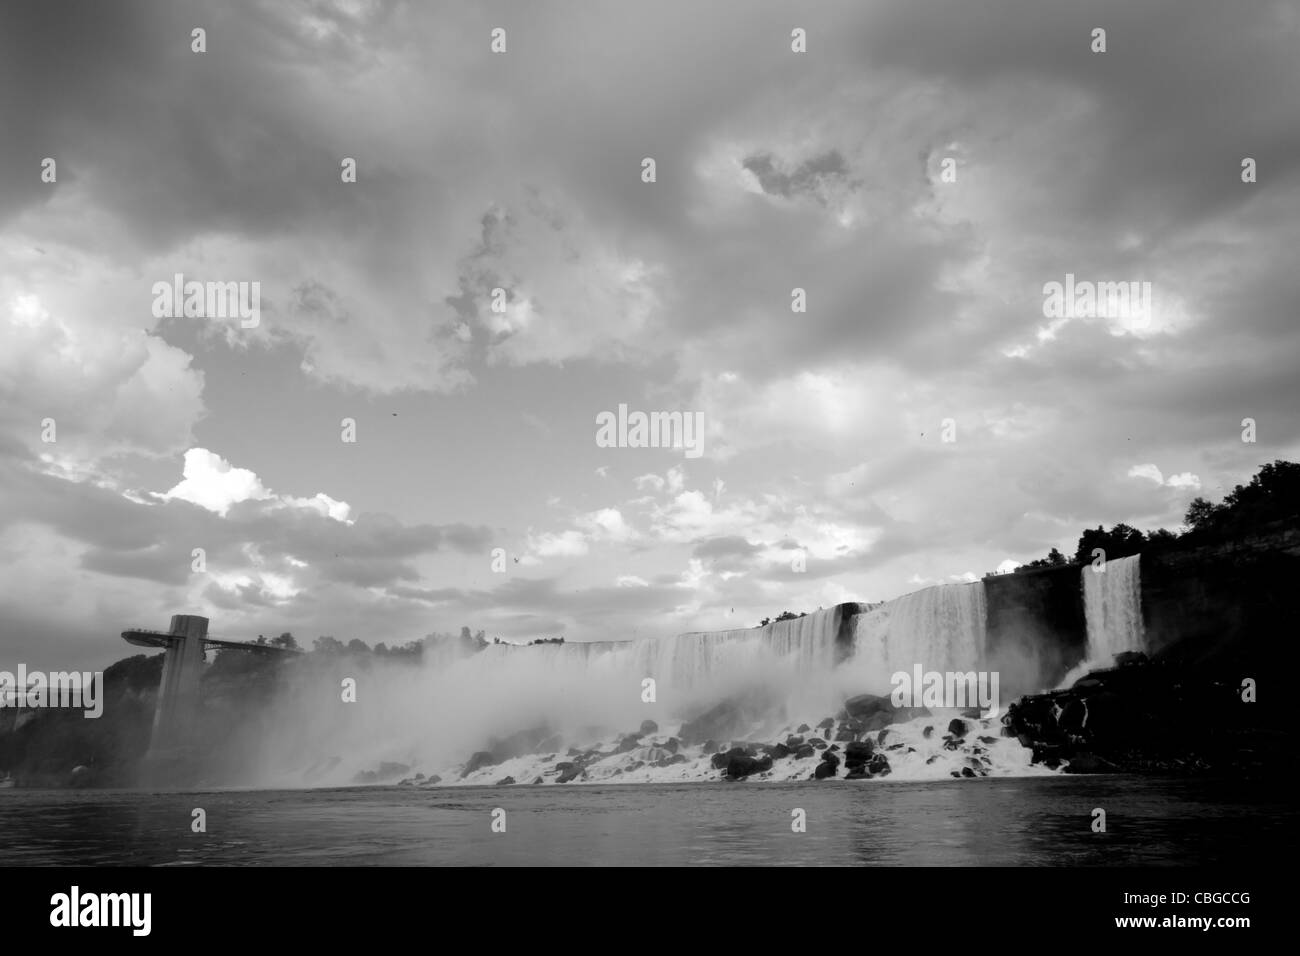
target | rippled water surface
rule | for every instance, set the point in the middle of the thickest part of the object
(1031, 821)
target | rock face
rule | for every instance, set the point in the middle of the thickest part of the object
(1138, 717)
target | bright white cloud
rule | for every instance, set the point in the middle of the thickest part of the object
(211, 482)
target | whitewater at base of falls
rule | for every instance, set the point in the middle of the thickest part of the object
(1112, 604)
(532, 707)
(916, 757)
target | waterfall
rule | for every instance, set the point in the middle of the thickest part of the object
(1112, 601)
(803, 645)
(544, 699)
(941, 628)
(1112, 607)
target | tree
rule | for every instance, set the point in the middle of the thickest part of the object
(286, 641)
(1054, 559)
(326, 645)
(1201, 514)
(1119, 542)
(1161, 537)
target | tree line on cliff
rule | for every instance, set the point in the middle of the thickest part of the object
(1272, 495)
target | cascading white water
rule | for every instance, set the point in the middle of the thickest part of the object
(550, 697)
(1112, 602)
(1112, 607)
(459, 699)
(940, 628)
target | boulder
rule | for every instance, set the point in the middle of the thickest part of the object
(807, 750)
(648, 727)
(739, 765)
(957, 727)
(824, 770)
(802, 729)
(505, 781)
(672, 745)
(858, 753)
(574, 772)
(826, 724)
(779, 751)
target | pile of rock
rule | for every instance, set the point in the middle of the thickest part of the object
(1137, 717)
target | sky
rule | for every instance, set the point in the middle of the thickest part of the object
(921, 170)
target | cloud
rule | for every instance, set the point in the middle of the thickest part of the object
(210, 482)
(1150, 472)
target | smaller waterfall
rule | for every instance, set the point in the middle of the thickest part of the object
(1112, 601)
(1112, 606)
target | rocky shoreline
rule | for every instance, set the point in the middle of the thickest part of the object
(1148, 716)
(869, 738)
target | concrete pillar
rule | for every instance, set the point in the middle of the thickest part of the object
(178, 694)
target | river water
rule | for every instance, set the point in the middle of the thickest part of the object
(1015, 821)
